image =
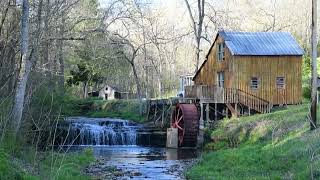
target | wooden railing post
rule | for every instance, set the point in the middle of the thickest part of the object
(253, 102)
(227, 95)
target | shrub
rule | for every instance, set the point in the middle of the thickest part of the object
(306, 92)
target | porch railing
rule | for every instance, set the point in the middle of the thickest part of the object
(227, 95)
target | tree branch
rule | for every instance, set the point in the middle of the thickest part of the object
(191, 17)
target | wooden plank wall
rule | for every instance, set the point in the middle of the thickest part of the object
(267, 69)
(239, 70)
(208, 74)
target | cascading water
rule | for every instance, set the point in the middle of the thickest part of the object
(116, 142)
(101, 131)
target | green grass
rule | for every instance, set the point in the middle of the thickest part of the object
(7, 169)
(48, 165)
(19, 160)
(95, 107)
(66, 166)
(278, 145)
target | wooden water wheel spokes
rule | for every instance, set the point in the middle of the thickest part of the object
(186, 119)
(178, 123)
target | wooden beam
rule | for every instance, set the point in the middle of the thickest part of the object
(216, 111)
(162, 116)
(232, 110)
(201, 111)
(207, 112)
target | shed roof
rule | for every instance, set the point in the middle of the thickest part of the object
(261, 43)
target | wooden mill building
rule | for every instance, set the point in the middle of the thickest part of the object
(256, 70)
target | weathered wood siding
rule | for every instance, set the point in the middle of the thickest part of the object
(239, 70)
(267, 69)
(208, 73)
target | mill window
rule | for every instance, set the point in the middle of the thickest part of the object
(220, 79)
(220, 52)
(280, 82)
(254, 83)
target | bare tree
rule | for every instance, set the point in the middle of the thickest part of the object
(24, 71)
(130, 58)
(313, 122)
(197, 27)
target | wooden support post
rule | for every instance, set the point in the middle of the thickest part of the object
(155, 113)
(201, 111)
(215, 111)
(208, 113)
(227, 112)
(249, 111)
(162, 117)
(236, 108)
(172, 138)
(148, 111)
(200, 138)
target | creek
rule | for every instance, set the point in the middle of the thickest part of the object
(138, 151)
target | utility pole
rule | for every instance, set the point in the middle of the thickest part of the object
(313, 115)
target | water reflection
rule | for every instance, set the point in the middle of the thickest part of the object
(176, 154)
(151, 162)
(148, 153)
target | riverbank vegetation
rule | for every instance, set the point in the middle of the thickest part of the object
(27, 164)
(33, 154)
(278, 145)
(98, 108)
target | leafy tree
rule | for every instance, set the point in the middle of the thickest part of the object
(85, 74)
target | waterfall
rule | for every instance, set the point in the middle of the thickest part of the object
(101, 131)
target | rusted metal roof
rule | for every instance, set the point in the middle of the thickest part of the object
(261, 43)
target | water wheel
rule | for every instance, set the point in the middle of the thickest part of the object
(185, 118)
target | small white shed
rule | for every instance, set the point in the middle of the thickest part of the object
(106, 93)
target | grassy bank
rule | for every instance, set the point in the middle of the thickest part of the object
(278, 145)
(29, 155)
(94, 107)
(28, 164)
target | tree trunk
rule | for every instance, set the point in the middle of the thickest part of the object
(55, 60)
(61, 59)
(138, 87)
(145, 58)
(24, 71)
(45, 60)
(197, 27)
(160, 77)
(85, 89)
(12, 80)
(197, 54)
(136, 78)
(313, 122)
